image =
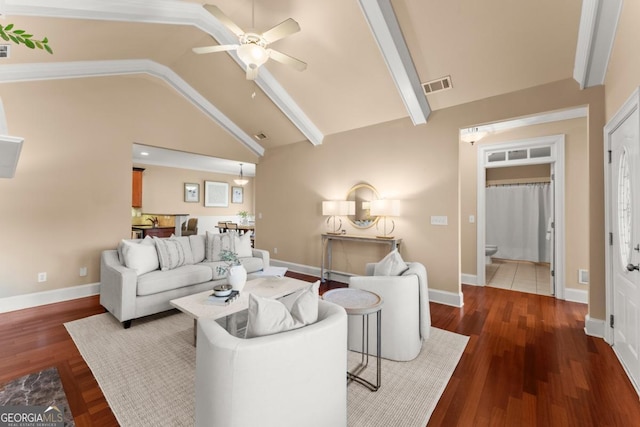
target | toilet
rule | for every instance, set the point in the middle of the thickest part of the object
(489, 250)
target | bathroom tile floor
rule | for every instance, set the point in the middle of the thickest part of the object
(523, 276)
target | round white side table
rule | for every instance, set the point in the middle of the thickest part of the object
(358, 302)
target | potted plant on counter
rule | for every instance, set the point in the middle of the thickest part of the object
(244, 217)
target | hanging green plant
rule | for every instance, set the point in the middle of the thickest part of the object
(22, 37)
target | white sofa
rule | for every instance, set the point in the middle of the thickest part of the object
(129, 295)
(289, 379)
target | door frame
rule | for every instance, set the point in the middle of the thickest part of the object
(556, 158)
(628, 108)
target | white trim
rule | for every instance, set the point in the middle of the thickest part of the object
(630, 105)
(548, 117)
(20, 302)
(446, 297)
(68, 70)
(594, 327)
(387, 33)
(468, 279)
(168, 12)
(576, 295)
(557, 158)
(435, 295)
(596, 34)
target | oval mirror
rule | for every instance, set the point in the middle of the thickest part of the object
(362, 195)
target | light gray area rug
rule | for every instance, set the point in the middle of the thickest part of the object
(147, 373)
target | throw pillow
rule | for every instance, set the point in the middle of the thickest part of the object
(303, 304)
(197, 242)
(242, 245)
(267, 316)
(217, 242)
(390, 265)
(170, 253)
(186, 248)
(141, 257)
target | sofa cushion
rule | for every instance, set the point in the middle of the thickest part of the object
(216, 242)
(170, 253)
(197, 242)
(159, 281)
(390, 265)
(142, 257)
(242, 245)
(213, 265)
(303, 304)
(252, 264)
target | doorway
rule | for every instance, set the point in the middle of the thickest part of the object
(622, 218)
(549, 149)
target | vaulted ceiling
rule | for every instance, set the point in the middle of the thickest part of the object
(488, 48)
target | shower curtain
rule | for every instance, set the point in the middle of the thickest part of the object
(518, 221)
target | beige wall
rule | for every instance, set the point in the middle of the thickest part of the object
(418, 165)
(71, 196)
(163, 192)
(623, 72)
(576, 192)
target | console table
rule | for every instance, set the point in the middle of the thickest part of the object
(327, 240)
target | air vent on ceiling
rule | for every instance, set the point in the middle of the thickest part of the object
(4, 50)
(260, 136)
(437, 85)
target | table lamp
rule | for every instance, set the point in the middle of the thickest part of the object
(334, 208)
(385, 208)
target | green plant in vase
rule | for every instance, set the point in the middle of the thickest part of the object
(230, 258)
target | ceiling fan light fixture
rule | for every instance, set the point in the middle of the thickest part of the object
(252, 54)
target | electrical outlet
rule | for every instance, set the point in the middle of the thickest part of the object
(42, 277)
(259, 215)
(83, 271)
(275, 251)
(472, 219)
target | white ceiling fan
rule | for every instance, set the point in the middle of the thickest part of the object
(252, 47)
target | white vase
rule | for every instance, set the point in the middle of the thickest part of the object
(237, 276)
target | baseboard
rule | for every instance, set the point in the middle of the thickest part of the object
(435, 295)
(594, 327)
(576, 295)
(36, 299)
(337, 276)
(446, 298)
(469, 279)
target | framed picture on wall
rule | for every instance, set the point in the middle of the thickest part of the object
(191, 192)
(237, 195)
(216, 194)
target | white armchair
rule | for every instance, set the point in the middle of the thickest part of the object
(294, 378)
(406, 318)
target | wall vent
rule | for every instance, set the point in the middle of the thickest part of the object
(438, 85)
(583, 277)
(4, 50)
(260, 136)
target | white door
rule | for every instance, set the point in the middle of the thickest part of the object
(625, 227)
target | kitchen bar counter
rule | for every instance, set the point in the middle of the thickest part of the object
(148, 230)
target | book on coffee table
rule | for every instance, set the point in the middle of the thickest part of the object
(225, 300)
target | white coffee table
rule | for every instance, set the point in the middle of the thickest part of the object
(198, 305)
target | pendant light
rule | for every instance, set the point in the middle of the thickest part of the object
(241, 180)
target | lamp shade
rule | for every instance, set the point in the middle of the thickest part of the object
(338, 207)
(472, 135)
(385, 207)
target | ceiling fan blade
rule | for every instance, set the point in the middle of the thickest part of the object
(224, 19)
(283, 29)
(252, 73)
(287, 60)
(218, 48)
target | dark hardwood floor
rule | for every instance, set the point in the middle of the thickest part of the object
(528, 362)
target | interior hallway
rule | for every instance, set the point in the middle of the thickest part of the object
(523, 276)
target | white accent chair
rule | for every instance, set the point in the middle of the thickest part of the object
(406, 318)
(294, 378)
